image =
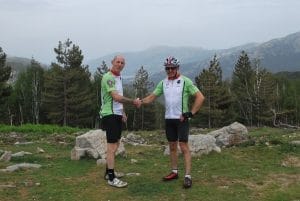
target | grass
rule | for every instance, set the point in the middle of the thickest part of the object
(237, 173)
(38, 128)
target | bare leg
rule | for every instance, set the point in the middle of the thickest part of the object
(110, 155)
(173, 155)
(187, 156)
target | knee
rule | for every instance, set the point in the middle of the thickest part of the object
(112, 147)
(173, 146)
(184, 147)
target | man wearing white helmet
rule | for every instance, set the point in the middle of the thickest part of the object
(177, 90)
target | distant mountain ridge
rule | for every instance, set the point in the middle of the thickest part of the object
(18, 63)
(280, 54)
(152, 58)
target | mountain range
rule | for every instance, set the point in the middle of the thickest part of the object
(280, 54)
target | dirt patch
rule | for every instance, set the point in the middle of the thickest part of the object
(23, 192)
(281, 180)
(291, 161)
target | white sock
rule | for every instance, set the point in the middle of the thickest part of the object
(175, 171)
(188, 175)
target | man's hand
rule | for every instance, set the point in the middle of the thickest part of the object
(124, 118)
(137, 102)
(185, 116)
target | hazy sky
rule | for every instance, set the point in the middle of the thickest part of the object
(32, 28)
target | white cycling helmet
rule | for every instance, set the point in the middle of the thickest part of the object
(171, 61)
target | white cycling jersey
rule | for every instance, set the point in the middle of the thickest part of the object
(176, 93)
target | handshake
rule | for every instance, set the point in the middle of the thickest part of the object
(137, 102)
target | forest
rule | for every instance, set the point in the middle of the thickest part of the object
(67, 94)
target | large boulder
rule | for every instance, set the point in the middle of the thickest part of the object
(231, 135)
(199, 144)
(93, 144)
(202, 144)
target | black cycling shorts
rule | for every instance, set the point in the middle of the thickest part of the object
(177, 130)
(112, 124)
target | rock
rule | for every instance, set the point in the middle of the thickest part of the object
(295, 142)
(7, 186)
(231, 135)
(133, 160)
(202, 144)
(134, 139)
(93, 144)
(20, 166)
(199, 144)
(23, 143)
(6, 156)
(133, 174)
(77, 153)
(101, 161)
(20, 154)
(40, 150)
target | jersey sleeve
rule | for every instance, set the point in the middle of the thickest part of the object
(191, 88)
(158, 89)
(109, 83)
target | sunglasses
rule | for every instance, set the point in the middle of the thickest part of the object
(170, 68)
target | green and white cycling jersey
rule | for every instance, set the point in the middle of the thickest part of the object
(176, 93)
(109, 83)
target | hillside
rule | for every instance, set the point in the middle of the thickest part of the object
(289, 75)
(280, 54)
(18, 64)
(151, 59)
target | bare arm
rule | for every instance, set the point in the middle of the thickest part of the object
(149, 99)
(199, 99)
(121, 99)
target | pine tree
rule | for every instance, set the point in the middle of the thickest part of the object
(242, 87)
(254, 91)
(79, 102)
(5, 88)
(5, 72)
(68, 90)
(217, 97)
(144, 117)
(102, 69)
(54, 95)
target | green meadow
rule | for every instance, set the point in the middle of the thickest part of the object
(267, 170)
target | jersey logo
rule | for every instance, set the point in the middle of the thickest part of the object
(178, 81)
(110, 83)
